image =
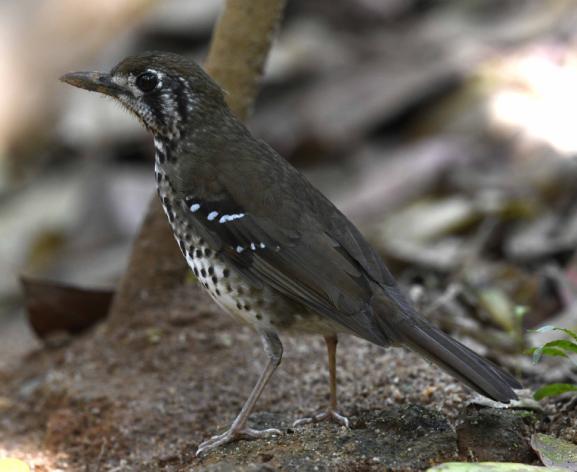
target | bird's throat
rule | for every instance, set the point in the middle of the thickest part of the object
(161, 150)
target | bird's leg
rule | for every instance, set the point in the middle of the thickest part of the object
(239, 429)
(331, 413)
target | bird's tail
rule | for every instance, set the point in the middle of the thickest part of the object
(458, 360)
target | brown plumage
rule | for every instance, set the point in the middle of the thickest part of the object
(258, 234)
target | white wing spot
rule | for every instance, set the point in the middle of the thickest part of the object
(252, 246)
(239, 249)
(194, 207)
(262, 245)
(212, 215)
(232, 217)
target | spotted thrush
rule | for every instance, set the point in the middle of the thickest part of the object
(267, 246)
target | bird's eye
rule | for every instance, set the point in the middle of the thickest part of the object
(146, 82)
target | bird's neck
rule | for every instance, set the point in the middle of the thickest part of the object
(203, 132)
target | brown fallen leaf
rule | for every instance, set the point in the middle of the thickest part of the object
(55, 307)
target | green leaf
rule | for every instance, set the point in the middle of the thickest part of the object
(555, 452)
(553, 351)
(563, 344)
(543, 329)
(491, 467)
(553, 390)
(539, 352)
(537, 355)
(549, 328)
(568, 332)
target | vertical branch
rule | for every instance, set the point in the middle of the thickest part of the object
(239, 47)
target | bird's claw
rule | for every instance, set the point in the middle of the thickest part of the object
(329, 415)
(233, 435)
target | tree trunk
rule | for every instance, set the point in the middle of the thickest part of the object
(239, 47)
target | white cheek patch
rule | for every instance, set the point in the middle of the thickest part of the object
(120, 80)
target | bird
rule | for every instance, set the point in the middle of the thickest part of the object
(268, 247)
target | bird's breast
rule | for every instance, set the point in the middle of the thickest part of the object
(262, 307)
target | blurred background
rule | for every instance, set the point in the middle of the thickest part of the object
(445, 129)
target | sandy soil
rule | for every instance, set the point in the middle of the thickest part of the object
(144, 397)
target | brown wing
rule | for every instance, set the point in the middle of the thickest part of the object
(287, 235)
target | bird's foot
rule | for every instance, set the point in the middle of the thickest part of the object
(233, 435)
(329, 415)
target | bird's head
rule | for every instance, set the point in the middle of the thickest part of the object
(165, 91)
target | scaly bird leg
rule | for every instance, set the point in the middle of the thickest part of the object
(239, 429)
(331, 413)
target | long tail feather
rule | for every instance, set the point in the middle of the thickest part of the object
(458, 360)
(461, 362)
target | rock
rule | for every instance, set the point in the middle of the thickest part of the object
(490, 434)
(398, 438)
(231, 467)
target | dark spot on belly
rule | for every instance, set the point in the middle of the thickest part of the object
(182, 246)
(218, 292)
(225, 273)
(195, 270)
(211, 270)
(207, 252)
(238, 305)
(247, 307)
(214, 279)
(203, 272)
(198, 253)
(258, 316)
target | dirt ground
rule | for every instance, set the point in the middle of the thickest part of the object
(144, 397)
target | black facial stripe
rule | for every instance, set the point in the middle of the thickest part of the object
(162, 117)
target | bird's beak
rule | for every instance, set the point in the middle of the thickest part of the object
(93, 81)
